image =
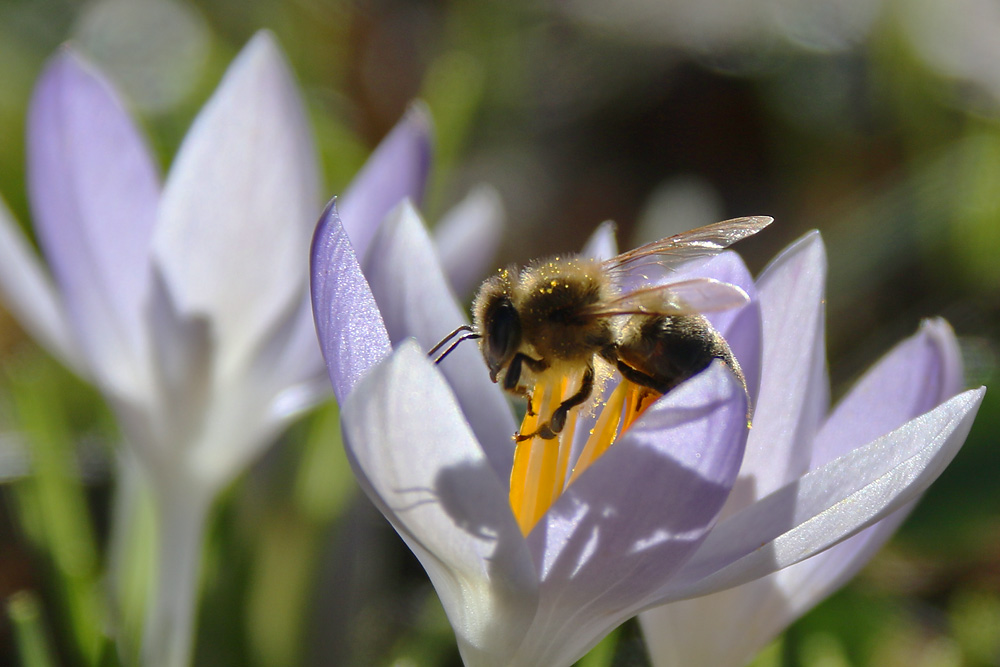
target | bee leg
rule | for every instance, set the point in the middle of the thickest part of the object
(526, 393)
(557, 421)
(512, 377)
(640, 378)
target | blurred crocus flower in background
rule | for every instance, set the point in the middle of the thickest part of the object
(795, 434)
(646, 523)
(186, 303)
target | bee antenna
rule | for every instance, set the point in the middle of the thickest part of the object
(468, 336)
(464, 327)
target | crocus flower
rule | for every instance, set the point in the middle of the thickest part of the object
(637, 526)
(795, 433)
(186, 303)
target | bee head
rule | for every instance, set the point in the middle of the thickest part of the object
(496, 320)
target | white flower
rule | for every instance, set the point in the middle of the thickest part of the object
(187, 306)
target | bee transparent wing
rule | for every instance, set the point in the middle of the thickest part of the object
(700, 242)
(689, 297)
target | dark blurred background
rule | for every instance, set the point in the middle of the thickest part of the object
(875, 121)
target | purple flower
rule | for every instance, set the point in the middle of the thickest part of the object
(186, 303)
(794, 436)
(672, 510)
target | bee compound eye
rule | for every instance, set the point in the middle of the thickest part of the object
(503, 334)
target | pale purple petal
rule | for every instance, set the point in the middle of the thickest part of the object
(415, 300)
(630, 520)
(241, 202)
(829, 504)
(920, 373)
(351, 333)
(468, 236)
(794, 392)
(417, 460)
(29, 294)
(397, 170)
(94, 191)
(602, 244)
(791, 292)
(916, 376)
(793, 399)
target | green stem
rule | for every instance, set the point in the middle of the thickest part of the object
(54, 511)
(170, 620)
(131, 552)
(25, 614)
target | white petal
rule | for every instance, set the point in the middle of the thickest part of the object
(415, 457)
(794, 394)
(182, 350)
(712, 630)
(29, 294)
(602, 244)
(468, 236)
(289, 363)
(413, 295)
(240, 203)
(831, 503)
(727, 628)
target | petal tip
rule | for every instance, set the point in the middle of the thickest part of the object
(808, 251)
(937, 327)
(811, 242)
(262, 56)
(329, 216)
(418, 117)
(263, 44)
(420, 124)
(68, 67)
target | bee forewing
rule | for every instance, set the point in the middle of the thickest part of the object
(700, 242)
(689, 297)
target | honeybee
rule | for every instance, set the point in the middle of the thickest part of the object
(557, 315)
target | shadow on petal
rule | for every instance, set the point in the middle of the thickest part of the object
(619, 532)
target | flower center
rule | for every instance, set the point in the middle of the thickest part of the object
(541, 467)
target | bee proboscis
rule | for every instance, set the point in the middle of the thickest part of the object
(558, 315)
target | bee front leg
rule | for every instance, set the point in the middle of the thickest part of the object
(557, 421)
(642, 379)
(512, 377)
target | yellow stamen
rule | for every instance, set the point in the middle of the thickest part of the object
(566, 439)
(632, 401)
(538, 475)
(604, 432)
(639, 398)
(532, 477)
